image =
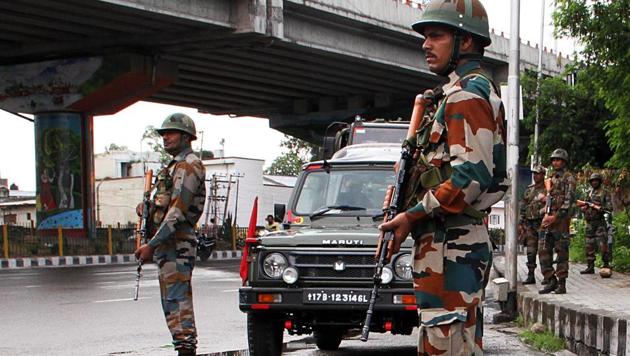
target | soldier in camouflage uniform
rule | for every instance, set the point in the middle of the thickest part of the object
(463, 144)
(554, 233)
(532, 209)
(596, 229)
(178, 203)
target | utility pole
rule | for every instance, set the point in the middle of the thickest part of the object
(201, 146)
(536, 158)
(237, 176)
(512, 161)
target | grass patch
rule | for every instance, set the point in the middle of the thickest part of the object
(545, 341)
(520, 322)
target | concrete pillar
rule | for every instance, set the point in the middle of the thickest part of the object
(64, 95)
(64, 169)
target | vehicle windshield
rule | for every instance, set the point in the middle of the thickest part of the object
(355, 191)
(369, 134)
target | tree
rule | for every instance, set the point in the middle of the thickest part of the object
(290, 163)
(570, 118)
(601, 26)
(155, 142)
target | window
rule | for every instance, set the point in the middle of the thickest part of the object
(495, 219)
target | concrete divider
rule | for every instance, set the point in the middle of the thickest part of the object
(55, 261)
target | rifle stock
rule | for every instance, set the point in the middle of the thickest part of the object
(592, 205)
(142, 226)
(394, 199)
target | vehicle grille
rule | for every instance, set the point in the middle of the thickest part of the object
(320, 265)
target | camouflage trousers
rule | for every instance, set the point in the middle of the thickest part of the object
(176, 261)
(595, 233)
(548, 241)
(530, 232)
(450, 269)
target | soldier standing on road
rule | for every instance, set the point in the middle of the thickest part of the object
(464, 146)
(596, 229)
(554, 231)
(177, 206)
(532, 211)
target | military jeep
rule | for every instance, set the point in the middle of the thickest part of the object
(316, 276)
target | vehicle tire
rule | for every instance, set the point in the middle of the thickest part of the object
(203, 254)
(264, 334)
(328, 340)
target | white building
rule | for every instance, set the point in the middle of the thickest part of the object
(116, 198)
(496, 219)
(124, 163)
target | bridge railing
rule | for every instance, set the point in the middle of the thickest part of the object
(26, 241)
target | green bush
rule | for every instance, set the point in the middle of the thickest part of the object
(545, 341)
(621, 244)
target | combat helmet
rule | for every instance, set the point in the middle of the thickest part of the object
(595, 176)
(463, 16)
(560, 153)
(180, 122)
(605, 272)
(539, 169)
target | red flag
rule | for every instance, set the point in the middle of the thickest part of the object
(251, 236)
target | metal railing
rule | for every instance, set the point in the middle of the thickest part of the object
(25, 241)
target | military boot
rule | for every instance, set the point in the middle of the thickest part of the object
(561, 288)
(545, 281)
(186, 352)
(551, 286)
(530, 278)
(590, 269)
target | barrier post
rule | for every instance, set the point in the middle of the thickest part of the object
(60, 236)
(5, 241)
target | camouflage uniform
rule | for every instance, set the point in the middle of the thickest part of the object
(178, 203)
(556, 236)
(532, 211)
(596, 229)
(452, 251)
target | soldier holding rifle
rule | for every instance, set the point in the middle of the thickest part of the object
(532, 210)
(463, 175)
(554, 234)
(178, 203)
(597, 205)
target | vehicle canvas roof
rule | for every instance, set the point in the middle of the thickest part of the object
(368, 152)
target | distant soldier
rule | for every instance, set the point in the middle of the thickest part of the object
(532, 212)
(179, 200)
(560, 187)
(271, 224)
(598, 201)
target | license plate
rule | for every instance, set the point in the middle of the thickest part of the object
(336, 296)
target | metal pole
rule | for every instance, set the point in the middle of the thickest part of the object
(512, 158)
(536, 159)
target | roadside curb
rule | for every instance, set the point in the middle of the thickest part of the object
(56, 261)
(586, 330)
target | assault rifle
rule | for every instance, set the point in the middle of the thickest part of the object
(599, 208)
(142, 226)
(394, 198)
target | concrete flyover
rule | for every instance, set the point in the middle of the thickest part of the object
(300, 63)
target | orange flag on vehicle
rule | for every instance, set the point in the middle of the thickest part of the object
(251, 237)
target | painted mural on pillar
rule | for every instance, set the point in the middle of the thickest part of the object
(58, 157)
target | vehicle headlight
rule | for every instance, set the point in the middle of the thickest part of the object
(274, 264)
(387, 275)
(290, 275)
(402, 267)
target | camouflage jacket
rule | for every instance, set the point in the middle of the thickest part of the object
(468, 134)
(600, 196)
(185, 196)
(532, 207)
(562, 191)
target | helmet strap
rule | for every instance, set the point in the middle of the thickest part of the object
(455, 56)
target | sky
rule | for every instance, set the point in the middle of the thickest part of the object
(244, 137)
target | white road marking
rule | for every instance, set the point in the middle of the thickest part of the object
(119, 300)
(33, 286)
